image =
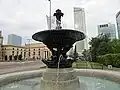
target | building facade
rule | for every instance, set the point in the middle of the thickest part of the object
(11, 52)
(37, 51)
(118, 23)
(108, 29)
(80, 25)
(14, 40)
(34, 51)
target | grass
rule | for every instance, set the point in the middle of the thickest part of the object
(91, 65)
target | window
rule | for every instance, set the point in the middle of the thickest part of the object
(12, 52)
(33, 53)
(29, 54)
(38, 52)
(34, 49)
(24, 53)
(13, 48)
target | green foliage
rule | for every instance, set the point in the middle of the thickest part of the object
(100, 46)
(110, 59)
(115, 45)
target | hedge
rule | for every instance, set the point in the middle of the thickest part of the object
(109, 59)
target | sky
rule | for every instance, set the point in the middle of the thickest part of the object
(25, 17)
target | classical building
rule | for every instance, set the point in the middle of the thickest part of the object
(118, 23)
(1, 43)
(32, 51)
(11, 52)
(80, 25)
(14, 40)
(108, 29)
(37, 51)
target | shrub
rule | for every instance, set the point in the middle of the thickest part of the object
(109, 59)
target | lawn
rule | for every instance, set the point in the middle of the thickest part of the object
(91, 65)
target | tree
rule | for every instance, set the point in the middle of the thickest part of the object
(100, 46)
(87, 55)
(115, 45)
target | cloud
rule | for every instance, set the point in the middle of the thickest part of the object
(28, 16)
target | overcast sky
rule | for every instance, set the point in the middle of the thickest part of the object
(25, 17)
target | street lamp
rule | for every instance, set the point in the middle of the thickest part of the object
(1, 42)
(50, 13)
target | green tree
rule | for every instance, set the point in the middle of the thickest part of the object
(100, 46)
(115, 45)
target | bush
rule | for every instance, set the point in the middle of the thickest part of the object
(110, 59)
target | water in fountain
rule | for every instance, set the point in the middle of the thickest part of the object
(58, 68)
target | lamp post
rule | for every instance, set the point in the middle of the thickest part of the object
(50, 13)
(29, 40)
(1, 41)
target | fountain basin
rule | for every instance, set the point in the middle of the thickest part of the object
(58, 38)
(109, 75)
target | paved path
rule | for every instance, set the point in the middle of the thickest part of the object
(9, 67)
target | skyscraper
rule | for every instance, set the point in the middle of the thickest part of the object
(118, 23)
(108, 29)
(79, 24)
(53, 22)
(14, 40)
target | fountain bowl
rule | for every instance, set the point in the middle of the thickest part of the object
(59, 38)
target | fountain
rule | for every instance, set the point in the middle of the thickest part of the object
(59, 75)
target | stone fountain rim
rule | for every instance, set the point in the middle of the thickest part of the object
(11, 77)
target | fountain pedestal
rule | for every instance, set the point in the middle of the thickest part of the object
(59, 75)
(59, 79)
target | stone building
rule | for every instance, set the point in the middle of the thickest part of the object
(37, 51)
(32, 51)
(11, 52)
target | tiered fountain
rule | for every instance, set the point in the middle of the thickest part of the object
(59, 75)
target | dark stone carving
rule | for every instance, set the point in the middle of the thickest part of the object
(62, 40)
(58, 15)
(59, 42)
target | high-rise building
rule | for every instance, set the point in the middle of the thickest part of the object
(118, 23)
(79, 24)
(14, 40)
(108, 29)
(53, 22)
